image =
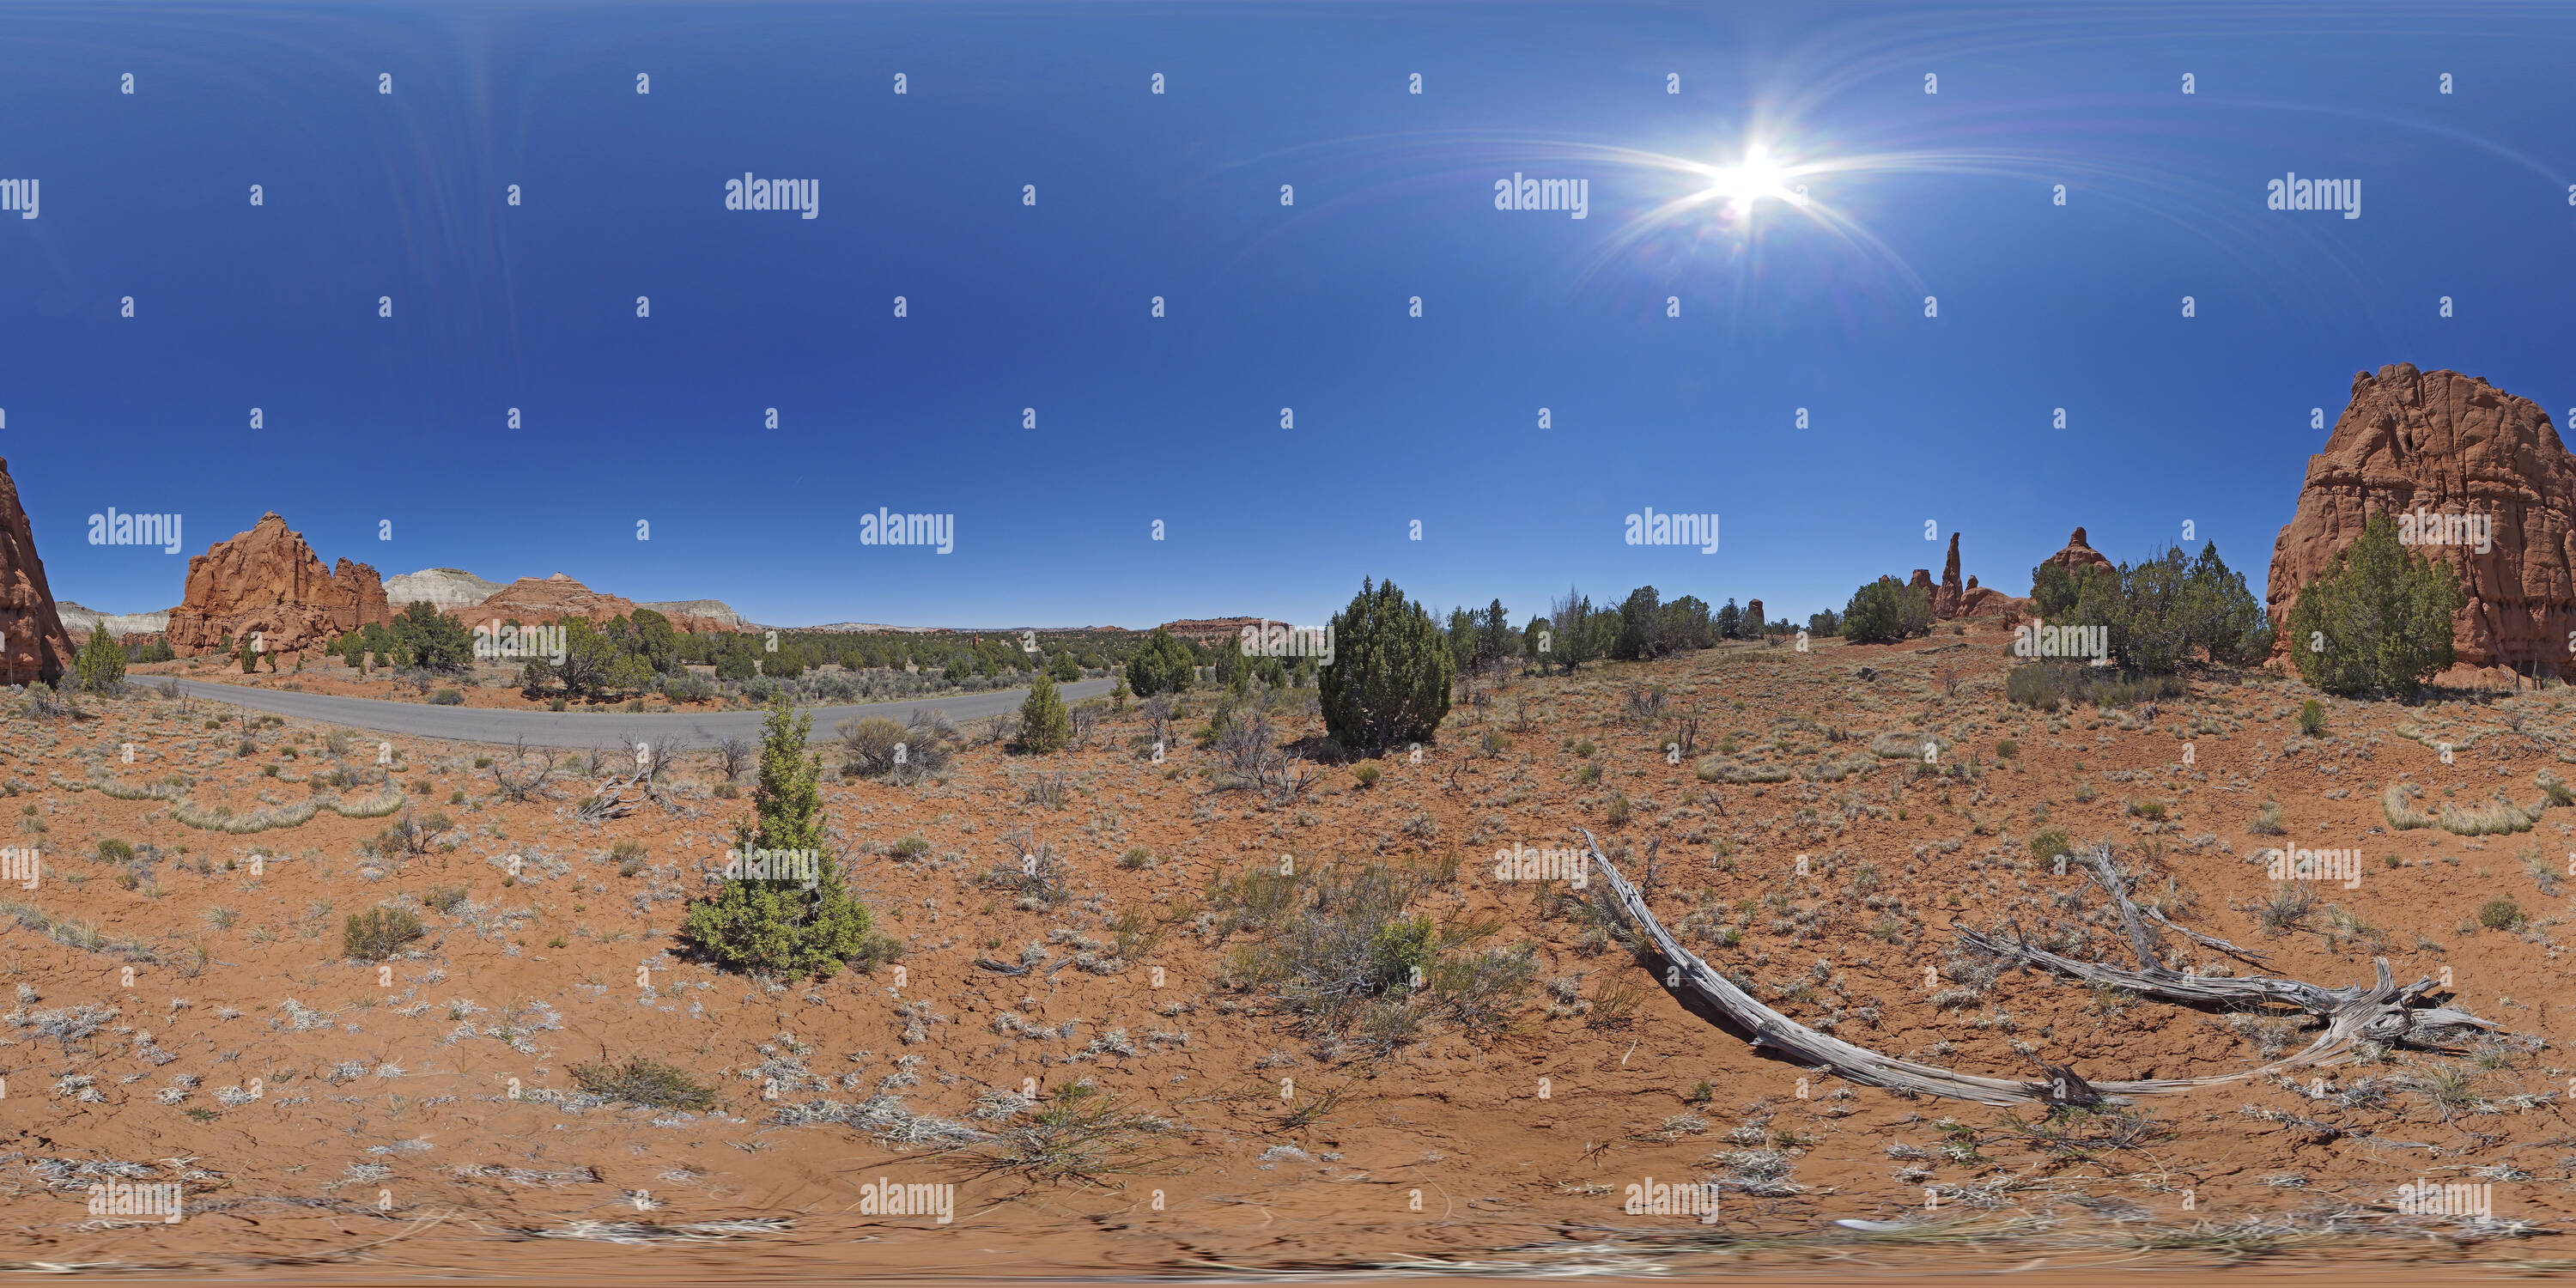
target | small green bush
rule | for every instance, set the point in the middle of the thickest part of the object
(1367, 772)
(2500, 913)
(378, 933)
(645, 1081)
(2312, 718)
(1044, 724)
(447, 698)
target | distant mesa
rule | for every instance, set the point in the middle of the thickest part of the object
(2441, 443)
(268, 581)
(1211, 630)
(33, 643)
(126, 627)
(537, 601)
(710, 610)
(440, 588)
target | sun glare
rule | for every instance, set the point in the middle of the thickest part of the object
(1756, 177)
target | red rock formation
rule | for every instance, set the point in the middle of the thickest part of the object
(1754, 621)
(267, 580)
(1922, 582)
(536, 601)
(1945, 597)
(1211, 630)
(2079, 555)
(1976, 599)
(35, 647)
(2439, 442)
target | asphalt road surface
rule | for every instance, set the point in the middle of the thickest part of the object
(587, 729)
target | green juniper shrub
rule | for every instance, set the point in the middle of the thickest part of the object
(2378, 619)
(1391, 672)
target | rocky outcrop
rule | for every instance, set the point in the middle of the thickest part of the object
(267, 580)
(705, 610)
(534, 601)
(440, 588)
(2078, 555)
(2443, 444)
(1945, 597)
(1975, 600)
(33, 643)
(1922, 582)
(1754, 621)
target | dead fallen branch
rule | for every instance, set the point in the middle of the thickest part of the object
(618, 797)
(2380, 1014)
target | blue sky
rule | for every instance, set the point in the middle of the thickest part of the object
(1397, 419)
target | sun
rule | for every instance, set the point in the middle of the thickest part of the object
(1751, 180)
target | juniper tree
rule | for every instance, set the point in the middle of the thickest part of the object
(100, 663)
(1044, 726)
(779, 925)
(1389, 681)
(2378, 618)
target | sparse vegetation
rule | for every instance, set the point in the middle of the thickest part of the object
(643, 1080)
(378, 933)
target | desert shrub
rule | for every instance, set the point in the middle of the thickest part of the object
(2044, 686)
(426, 637)
(2312, 718)
(645, 1081)
(1481, 990)
(100, 664)
(2500, 913)
(1390, 677)
(2046, 846)
(2158, 610)
(1825, 625)
(445, 899)
(1063, 667)
(157, 649)
(1044, 724)
(1163, 664)
(736, 660)
(1367, 772)
(2007, 748)
(2378, 620)
(447, 698)
(2498, 817)
(869, 745)
(1883, 612)
(1351, 942)
(378, 933)
(687, 686)
(780, 926)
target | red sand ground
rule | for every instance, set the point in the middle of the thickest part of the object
(385, 1141)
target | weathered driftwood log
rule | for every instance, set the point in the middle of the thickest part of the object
(618, 797)
(2381, 1013)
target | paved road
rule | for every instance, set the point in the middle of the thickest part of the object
(584, 729)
